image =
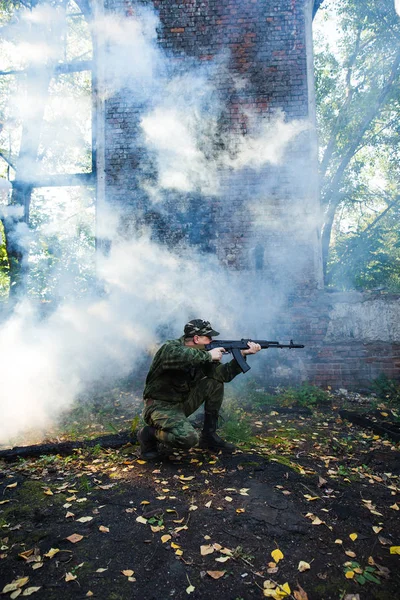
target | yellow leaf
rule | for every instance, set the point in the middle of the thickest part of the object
(127, 572)
(353, 536)
(394, 549)
(101, 570)
(156, 528)
(26, 554)
(48, 492)
(4, 501)
(208, 504)
(145, 502)
(349, 574)
(311, 498)
(223, 559)
(277, 555)
(338, 541)
(317, 521)
(216, 574)
(165, 538)
(179, 552)
(377, 529)
(190, 589)
(240, 511)
(69, 514)
(141, 462)
(70, 577)
(15, 594)
(89, 594)
(37, 565)
(395, 507)
(174, 546)
(141, 520)
(104, 529)
(228, 498)
(183, 478)
(350, 553)
(12, 485)
(286, 588)
(193, 507)
(303, 566)
(52, 552)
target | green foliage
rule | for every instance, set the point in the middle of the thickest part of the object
(236, 425)
(357, 91)
(387, 389)
(306, 395)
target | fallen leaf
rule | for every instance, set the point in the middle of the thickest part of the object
(89, 594)
(69, 515)
(394, 549)
(141, 520)
(394, 507)
(101, 570)
(175, 546)
(208, 549)
(338, 541)
(216, 574)
(240, 511)
(303, 566)
(74, 538)
(350, 553)
(277, 555)
(31, 590)
(48, 492)
(190, 588)
(37, 565)
(317, 521)
(70, 577)
(183, 478)
(223, 559)
(52, 552)
(84, 519)
(12, 485)
(141, 462)
(127, 572)
(377, 529)
(165, 538)
(349, 574)
(144, 502)
(14, 585)
(353, 536)
(26, 554)
(228, 498)
(300, 594)
(208, 504)
(104, 529)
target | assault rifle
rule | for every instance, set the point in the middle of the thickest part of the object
(235, 346)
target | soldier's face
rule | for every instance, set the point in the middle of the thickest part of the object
(202, 339)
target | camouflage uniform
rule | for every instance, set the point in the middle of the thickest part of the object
(181, 379)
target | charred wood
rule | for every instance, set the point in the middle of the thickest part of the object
(111, 442)
(391, 430)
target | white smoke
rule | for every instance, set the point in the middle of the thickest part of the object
(50, 361)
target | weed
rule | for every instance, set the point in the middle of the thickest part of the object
(387, 389)
(236, 426)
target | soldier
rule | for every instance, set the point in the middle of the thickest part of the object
(183, 376)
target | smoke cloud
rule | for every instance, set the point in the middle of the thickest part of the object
(147, 287)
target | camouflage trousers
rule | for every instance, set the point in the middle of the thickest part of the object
(169, 419)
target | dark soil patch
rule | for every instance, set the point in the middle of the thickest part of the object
(306, 482)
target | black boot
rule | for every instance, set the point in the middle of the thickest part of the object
(148, 443)
(209, 437)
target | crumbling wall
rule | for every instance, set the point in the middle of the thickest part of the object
(261, 55)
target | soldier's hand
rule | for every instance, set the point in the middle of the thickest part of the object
(216, 353)
(253, 348)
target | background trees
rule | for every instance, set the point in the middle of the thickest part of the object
(357, 85)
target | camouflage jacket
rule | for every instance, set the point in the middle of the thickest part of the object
(177, 368)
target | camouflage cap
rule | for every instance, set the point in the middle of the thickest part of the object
(199, 327)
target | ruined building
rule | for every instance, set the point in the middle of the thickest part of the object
(265, 217)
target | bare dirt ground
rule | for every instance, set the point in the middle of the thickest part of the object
(308, 507)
